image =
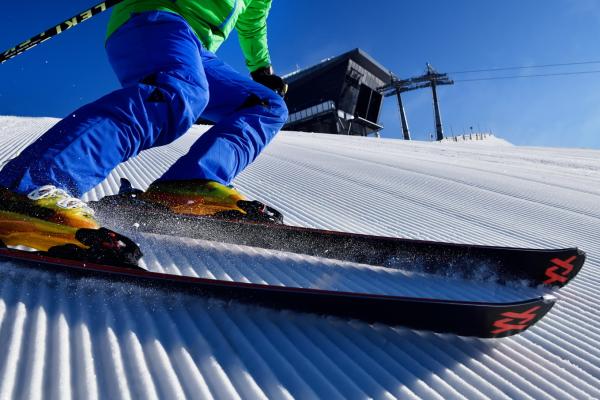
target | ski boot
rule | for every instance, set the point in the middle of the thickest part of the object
(208, 199)
(51, 221)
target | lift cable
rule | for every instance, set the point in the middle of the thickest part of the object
(472, 71)
(492, 78)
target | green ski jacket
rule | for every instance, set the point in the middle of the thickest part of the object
(212, 21)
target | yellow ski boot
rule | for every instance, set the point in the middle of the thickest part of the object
(49, 220)
(194, 197)
(209, 199)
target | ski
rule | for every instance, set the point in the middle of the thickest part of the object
(550, 267)
(465, 318)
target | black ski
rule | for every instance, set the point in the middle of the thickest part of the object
(554, 267)
(466, 318)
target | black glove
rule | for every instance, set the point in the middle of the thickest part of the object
(266, 77)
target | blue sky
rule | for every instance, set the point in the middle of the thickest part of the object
(71, 69)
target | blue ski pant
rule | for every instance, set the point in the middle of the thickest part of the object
(169, 80)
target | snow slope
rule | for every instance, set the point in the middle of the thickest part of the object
(88, 338)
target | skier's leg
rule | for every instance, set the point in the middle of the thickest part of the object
(153, 108)
(247, 116)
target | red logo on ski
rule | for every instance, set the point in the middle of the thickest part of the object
(515, 321)
(560, 271)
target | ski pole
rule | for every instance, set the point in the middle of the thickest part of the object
(55, 30)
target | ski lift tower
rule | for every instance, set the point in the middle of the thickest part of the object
(431, 79)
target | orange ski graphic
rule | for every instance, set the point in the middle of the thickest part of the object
(559, 272)
(515, 321)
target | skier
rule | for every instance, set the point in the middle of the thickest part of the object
(162, 51)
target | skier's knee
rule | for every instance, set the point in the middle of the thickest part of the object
(193, 100)
(279, 109)
(185, 100)
(272, 106)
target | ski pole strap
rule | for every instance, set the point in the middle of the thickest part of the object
(55, 30)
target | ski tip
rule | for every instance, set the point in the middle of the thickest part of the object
(561, 269)
(519, 318)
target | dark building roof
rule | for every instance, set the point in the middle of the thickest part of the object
(358, 55)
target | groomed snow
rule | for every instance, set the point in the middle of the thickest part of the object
(88, 338)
